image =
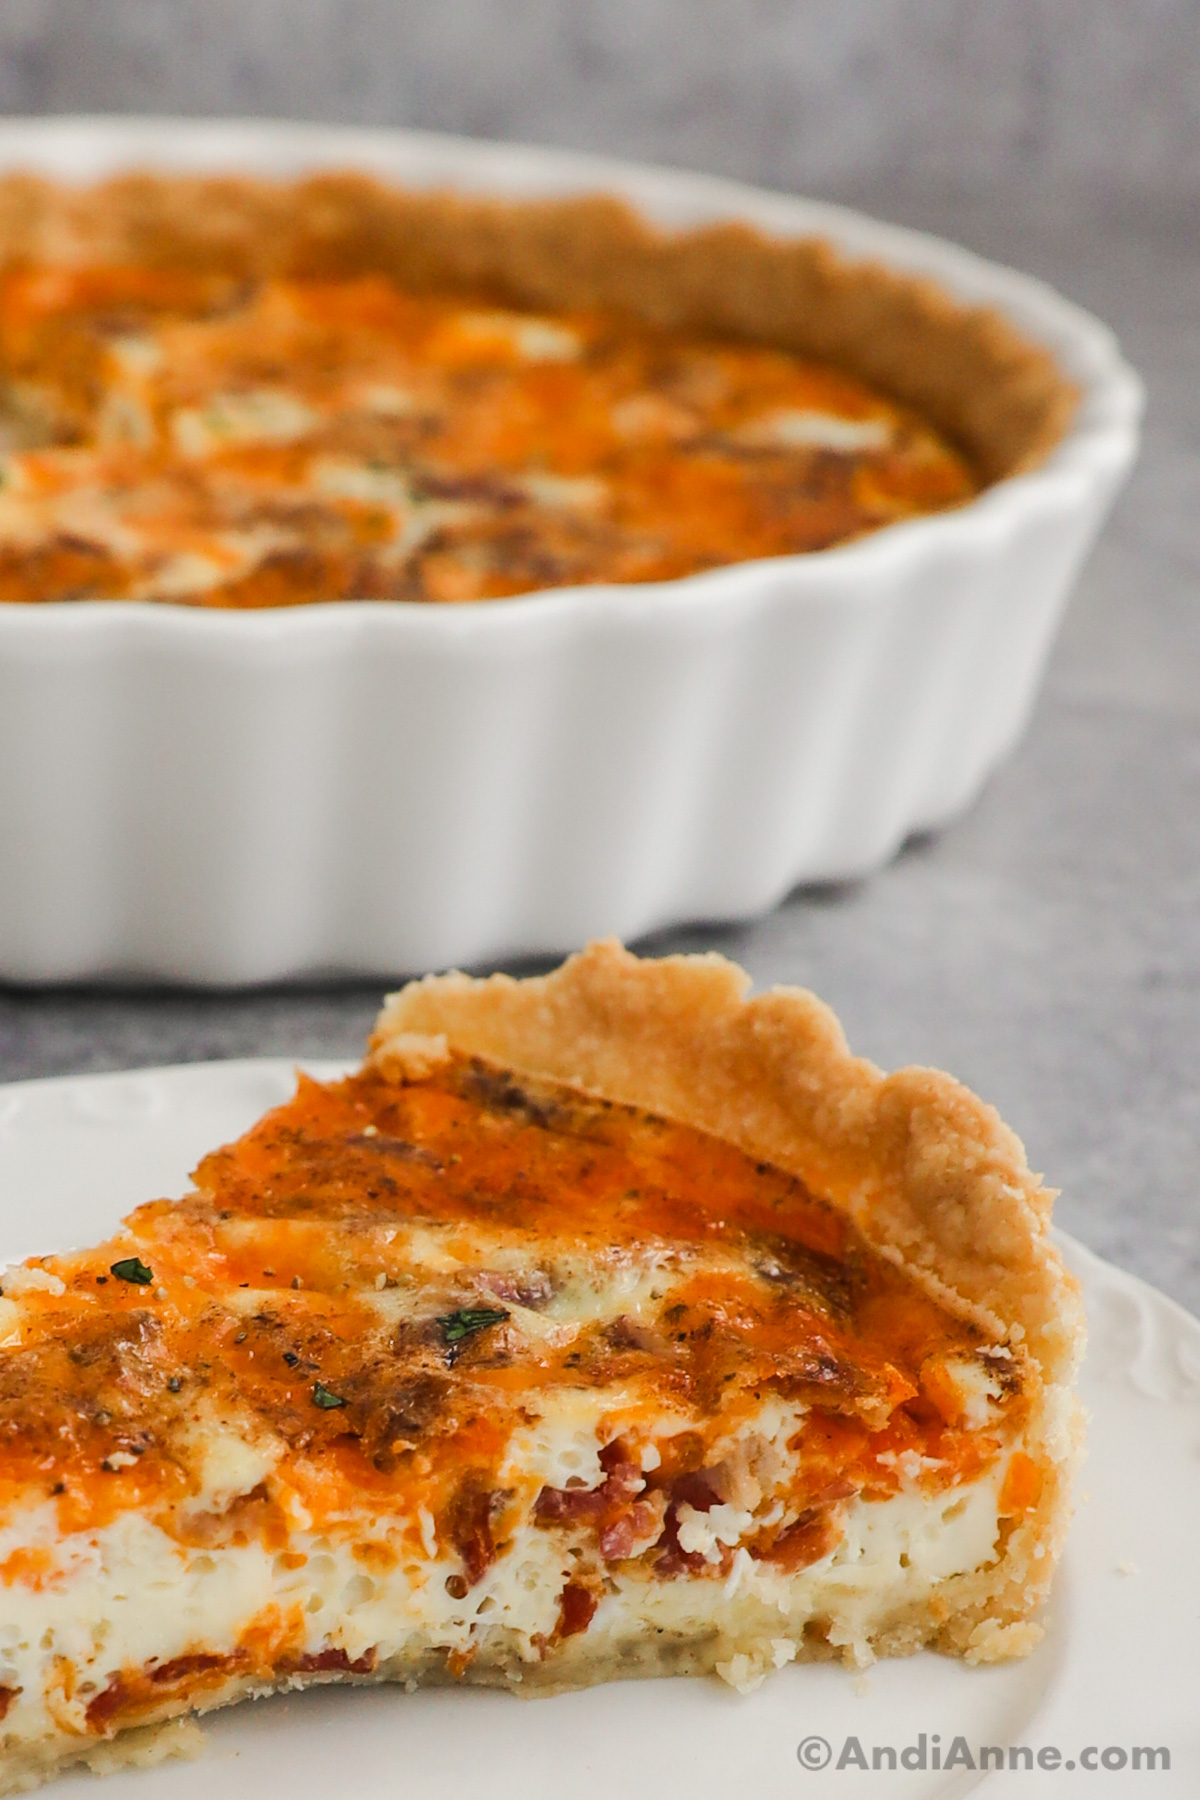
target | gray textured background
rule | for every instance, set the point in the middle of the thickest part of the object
(834, 94)
(1048, 948)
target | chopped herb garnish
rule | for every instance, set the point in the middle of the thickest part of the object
(467, 1321)
(323, 1398)
(132, 1268)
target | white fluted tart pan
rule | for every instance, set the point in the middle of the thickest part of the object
(378, 787)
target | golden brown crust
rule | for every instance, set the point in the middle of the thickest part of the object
(1002, 398)
(929, 1172)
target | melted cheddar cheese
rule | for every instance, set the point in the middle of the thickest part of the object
(181, 437)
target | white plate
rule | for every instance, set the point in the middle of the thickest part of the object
(1117, 1669)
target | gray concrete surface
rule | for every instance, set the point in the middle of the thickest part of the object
(1046, 949)
(797, 92)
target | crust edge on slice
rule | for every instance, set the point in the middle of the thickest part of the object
(930, 1174)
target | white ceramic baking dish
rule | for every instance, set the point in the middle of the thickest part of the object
(374, 788)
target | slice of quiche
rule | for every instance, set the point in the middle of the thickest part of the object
(604, 1324)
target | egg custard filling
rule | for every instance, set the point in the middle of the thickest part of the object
(181, 435)
(454, 1371)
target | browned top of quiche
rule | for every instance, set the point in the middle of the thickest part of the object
(234, 394)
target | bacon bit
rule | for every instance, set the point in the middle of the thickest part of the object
(531, 1290)
(617, 1540)
(7, 1696)
(469, 1521)
(622, 1481)
(321, 1662)
(625, 1524)
(675, 1560)
(626, 1333)
(140, 1690)
(1022, 1486)
(695, 1490)
(556, 1506)
(813, 1535)
(181, 1668)
(640, 1525)
(576, 1609)
(622, 1522)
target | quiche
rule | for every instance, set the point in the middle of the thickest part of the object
(237, 396)
(603, 1324)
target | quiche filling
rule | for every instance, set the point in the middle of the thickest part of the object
(168, 435)
(446, 1372)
